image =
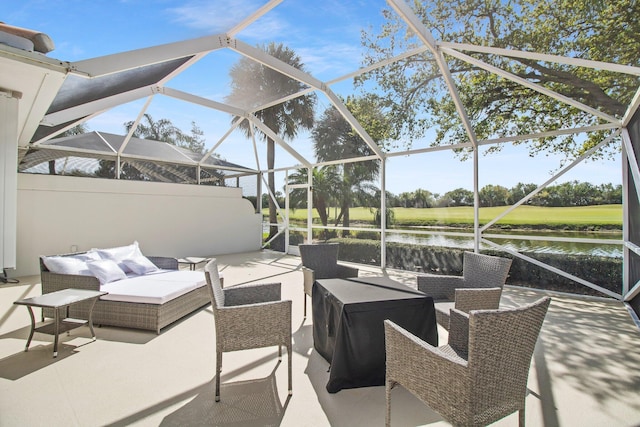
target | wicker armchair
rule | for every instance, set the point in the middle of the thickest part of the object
(480, 376)
(479, 287)
(247, 317)
(320, 261)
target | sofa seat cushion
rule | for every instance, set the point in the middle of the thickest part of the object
(154, 288)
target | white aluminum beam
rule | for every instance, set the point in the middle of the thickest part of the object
(264, 58)
(205, 102)
(133, 128)
(271, 134)
(275, 202)
(255, 147)
(626, 212)
(181, 68)
(476, 202)
(418, 28)
(97, 106)
(344, 111)
(577, 62)
(283, 99)
(64, 129)
(555, 270)
(345, 77)
(345, 161)
(383, 213)
(253, 17)
(632, 160)
(554, 239)
(430, 149)
(632, 293)
(114, 63)
(379, 64)
(550, 180)
(559, 132)
(526, 83)
(225, 136)
(309, 205)
(631, 110)
(71, 151)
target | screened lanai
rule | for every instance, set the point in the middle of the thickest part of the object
(189, 79)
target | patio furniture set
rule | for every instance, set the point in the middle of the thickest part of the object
(372, 330)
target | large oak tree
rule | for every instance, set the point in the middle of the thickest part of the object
(596, 30)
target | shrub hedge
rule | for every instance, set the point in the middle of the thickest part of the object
(603, 271)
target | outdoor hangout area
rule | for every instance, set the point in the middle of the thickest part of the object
(332, 214)
(582, 371)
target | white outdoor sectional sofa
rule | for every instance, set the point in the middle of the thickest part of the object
(144, 292)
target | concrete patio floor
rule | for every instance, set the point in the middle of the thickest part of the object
(585, 371)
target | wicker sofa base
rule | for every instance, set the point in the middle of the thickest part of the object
(152, 317)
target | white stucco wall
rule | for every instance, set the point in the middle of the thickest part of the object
(58, 214)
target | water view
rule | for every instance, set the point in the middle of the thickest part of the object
(540, 242)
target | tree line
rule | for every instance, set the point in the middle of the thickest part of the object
(572, 193)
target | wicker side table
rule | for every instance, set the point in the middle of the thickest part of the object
(60, 302)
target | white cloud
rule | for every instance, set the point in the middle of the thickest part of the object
(336, 59)
(221, 16)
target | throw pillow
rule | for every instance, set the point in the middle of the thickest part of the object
(66, 265)
(119, 254)
(106, 271)
(140, 265)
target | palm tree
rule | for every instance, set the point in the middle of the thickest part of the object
(254, 84)
(162, 130)
(165, 131)
(325, 181)
(335, 139)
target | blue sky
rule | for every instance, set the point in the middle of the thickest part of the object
(327, 38)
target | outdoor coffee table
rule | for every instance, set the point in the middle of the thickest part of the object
(348, 325)
(193, 261)
(60, 302)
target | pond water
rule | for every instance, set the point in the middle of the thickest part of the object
(541, 242)
(609, 243)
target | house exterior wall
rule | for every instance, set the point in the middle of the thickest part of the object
(61, 214)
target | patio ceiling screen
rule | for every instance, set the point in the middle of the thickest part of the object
(78, 91)
(86, 154)
(633, 204)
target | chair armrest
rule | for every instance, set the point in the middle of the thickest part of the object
(255, 325)
(468, 299)
(439, 286)
(309, 277)
(344, 271)
(459, 330)
(251, 294)
(420, 367)
(166, 263)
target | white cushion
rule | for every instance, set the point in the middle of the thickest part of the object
(120, 253)
(90, 255)
(106, 271)
(140, 265)
(154, 288)
(67, 265)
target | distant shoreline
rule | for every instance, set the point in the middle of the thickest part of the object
(598, 218)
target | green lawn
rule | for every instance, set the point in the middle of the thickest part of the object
(602, 215)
